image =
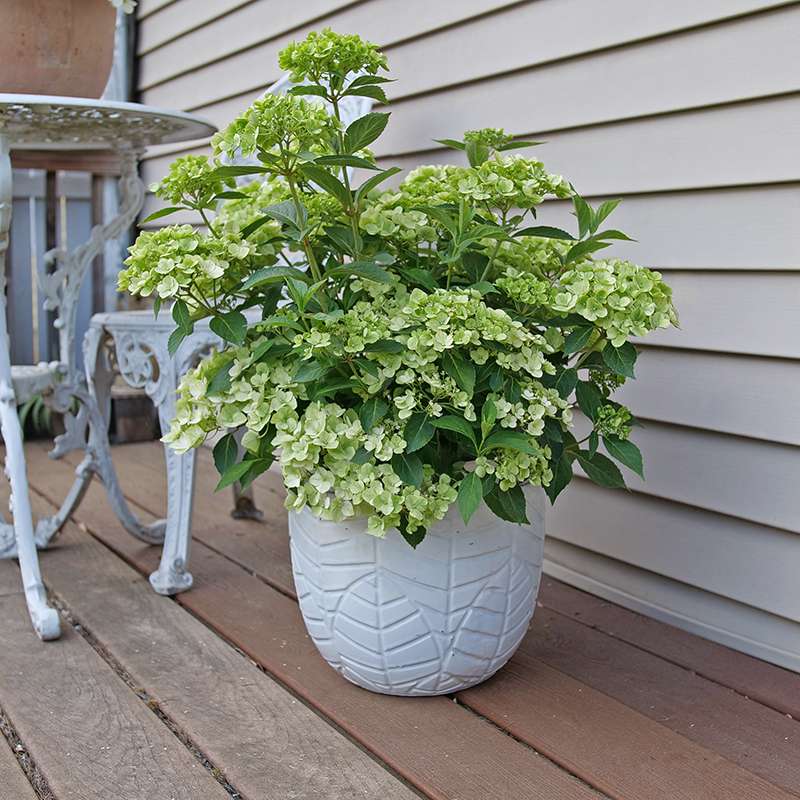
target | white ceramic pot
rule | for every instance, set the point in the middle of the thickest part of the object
(429, 621)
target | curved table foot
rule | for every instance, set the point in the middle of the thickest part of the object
(45, 619)
(171, 578)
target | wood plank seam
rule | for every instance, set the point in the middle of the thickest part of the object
(286, 591)
(277, 678)
(24, 758)
(632, 643)
(57, 602)
(68, 615)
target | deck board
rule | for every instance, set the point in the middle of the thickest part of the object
(621, 717)
(767, 683)
(91, 737)
(263, 739)
(698, 708)
(12, 777)
(447, 752)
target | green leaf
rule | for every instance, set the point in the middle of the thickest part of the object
(456, 425)
(418, 432)
(583, 212)
(601, 469)
(562, 475)
(613, 234)
(470, 494)
(257, 466)
(226, 453)
(329, 183)
(566, 382)
(255, 225)
(234, 473)
(488, 415)
(235, 172)
(231, 327)
(361, 269)
(589, 398)
(408, 467)
(626, 453)
(287, 214)
(604, 209)
(346, 161)
(545, 232)
(510, 440)
(384, 346)
(309, 371)
(517, 145)
(175, 339)
(508, 505)
(477, 153)
(620, 359)
(221, 380)
(454, 143)
(306, 89)
(594, 441)
(361, 456)
(162, 212)
(584, 248)
(277, 274)
(375, 92)
(363, 131)
(180, 313)
(415, 537)
(374, 181)
(577, 339)
(366, 80)
(231, 195)
(460, 370)
(421, 277)
(371, 412)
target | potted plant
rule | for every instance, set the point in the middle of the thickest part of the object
(58, 47)
(413, 365)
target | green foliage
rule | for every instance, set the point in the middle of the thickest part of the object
(404, 349)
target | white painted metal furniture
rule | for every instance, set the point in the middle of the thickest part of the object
(135, 343)
(53, 123)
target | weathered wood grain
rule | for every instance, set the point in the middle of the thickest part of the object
(12, 779)
(89, 734)
(700, 710)
(442, 749)
(758, 680)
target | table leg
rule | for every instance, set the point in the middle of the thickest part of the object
(45, 619)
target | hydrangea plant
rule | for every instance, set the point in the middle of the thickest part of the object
(399, 349)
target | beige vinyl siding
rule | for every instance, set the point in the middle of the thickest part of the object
(689, 110)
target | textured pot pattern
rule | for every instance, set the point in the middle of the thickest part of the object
(429, 621)
(56, 47)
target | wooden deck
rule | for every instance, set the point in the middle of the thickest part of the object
(220, 693)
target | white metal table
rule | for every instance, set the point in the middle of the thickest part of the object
(64, 123)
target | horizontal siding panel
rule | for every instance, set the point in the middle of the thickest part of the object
(502, 42)
(742, 395)
(677, 541)
(737, 312)
(745, 478)
(688, 150)
(688, 70)
(218, 72)
(736, 625)
(753, 228)
(144, 8)
(177, 17)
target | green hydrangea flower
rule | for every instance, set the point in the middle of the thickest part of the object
(324, 53)
(277, 122)
(190, 179)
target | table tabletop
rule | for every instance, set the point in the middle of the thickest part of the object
(44, 122)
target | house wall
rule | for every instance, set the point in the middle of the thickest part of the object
(689, 110)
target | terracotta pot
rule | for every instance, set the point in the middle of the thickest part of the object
(56, 47)
(429, 621)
